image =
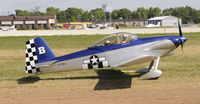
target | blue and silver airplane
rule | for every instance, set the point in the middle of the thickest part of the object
(115, 50)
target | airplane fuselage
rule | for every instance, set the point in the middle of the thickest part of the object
(124, 54)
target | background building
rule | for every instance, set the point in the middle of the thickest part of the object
(126, 22)
(165, 20)
(29, 22)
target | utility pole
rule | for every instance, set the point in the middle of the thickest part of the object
(104, 5)
(8, 13)
(27, 5)
(37, 7)
(110, 16)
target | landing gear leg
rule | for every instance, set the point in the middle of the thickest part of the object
(153, 72)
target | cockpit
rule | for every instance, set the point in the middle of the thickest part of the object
(116, 38)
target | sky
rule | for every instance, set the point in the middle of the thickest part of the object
(9, 6)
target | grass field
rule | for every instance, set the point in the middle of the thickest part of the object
(181, 76)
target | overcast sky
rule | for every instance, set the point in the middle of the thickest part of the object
(8, 6)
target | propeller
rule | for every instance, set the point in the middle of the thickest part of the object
(180, 34)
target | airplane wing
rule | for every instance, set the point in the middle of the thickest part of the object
(136, 60)
(47, 63)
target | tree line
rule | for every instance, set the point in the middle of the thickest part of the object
(187, 14)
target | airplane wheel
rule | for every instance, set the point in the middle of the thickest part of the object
(156, 78)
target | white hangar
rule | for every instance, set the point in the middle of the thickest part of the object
(165, 21)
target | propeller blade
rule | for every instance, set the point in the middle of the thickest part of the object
(180, 34)
(182, 45)
(179, 26)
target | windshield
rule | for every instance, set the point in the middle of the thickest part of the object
(116, 38)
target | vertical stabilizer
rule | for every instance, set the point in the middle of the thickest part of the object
(37, 51)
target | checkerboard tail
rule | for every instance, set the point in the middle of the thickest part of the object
(37, 51)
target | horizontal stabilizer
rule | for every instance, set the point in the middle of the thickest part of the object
(47, 63)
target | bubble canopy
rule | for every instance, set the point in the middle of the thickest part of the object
(116, 38)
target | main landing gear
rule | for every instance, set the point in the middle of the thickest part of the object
(152, 72)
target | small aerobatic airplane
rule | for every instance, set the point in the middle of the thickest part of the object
(8, 28)
(153, 25)
(114, 50)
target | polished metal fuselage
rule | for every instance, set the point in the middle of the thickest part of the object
(119, 57)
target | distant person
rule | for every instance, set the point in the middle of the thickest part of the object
(107, 43)
(117, 26)
(125, 39)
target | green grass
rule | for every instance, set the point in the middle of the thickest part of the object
(55, 42)
(182, 66)
(73, 41)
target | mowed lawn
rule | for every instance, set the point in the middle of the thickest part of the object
(182, 67)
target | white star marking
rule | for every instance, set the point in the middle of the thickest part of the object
(94, 60)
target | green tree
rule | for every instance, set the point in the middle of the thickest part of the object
(17, 12)
(97, 14)
(52, 11)
(144, 12)
(153, 12)
(62, 16)
(86, 16)
(140, 13)
(38, 13)
(74, 14)
(167, 12)
(70, 15)
(122, 13)
(125, 13)
(198, 16)
(116, 14)
(187, 14)
(23, 13)
(108, 16)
